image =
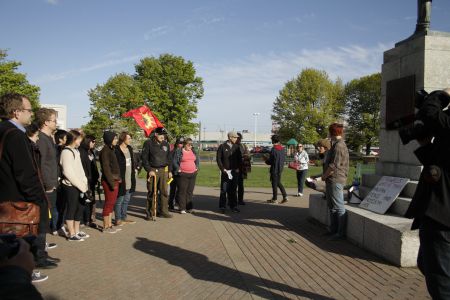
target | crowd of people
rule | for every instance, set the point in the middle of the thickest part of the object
(58, 171)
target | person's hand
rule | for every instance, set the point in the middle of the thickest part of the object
(425, 141)
(170, 175)
(23, 259)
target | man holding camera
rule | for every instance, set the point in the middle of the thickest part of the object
(430, 206)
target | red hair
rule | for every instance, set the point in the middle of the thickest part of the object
(336, 129)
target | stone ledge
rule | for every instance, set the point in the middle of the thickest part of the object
(387, 236)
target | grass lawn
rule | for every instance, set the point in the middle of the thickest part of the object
(209, 175)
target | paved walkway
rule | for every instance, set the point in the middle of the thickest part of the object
(267, 251)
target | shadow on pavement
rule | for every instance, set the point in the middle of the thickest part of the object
(200, 267)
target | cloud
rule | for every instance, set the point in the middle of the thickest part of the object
(156, 32)
(71, 73)
(52, 2)
(236, 89)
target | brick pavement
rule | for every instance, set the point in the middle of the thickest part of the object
(267, 251)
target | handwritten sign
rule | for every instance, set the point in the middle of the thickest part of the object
(383, 194)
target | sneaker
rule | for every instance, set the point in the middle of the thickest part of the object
(83, 235)
(50, 246)
(182, 212)
(118, 223)
(55, 232)
(82, 225)
(128, 222)
(109, 230)
(36, 276)
(272, 201)
(284, 201)
(46, 264)
(63, 232)
(190, 211)
(75, 238)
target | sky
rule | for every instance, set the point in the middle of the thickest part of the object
(245, 50)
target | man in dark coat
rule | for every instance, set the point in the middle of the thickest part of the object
(276, 162)
(19, 173)
(156, 161)
(229, 160)
(430, 206)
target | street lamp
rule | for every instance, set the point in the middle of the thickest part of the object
(256, 114)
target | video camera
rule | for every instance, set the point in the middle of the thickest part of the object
(9, 245)
(418, 130)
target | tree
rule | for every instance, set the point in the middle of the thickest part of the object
(307, 105)
(12, 81)
(171, 90)
(363, 98)
(109, 101)
(167, 85)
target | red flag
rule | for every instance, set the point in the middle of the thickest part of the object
(145, 118)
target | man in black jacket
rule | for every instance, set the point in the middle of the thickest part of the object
(276, 162)
(19, 173)
(156, 161)
(229, 160)
(430, 206)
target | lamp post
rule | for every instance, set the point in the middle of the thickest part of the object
(256, 114)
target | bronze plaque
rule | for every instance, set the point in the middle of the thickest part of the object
(400, 95)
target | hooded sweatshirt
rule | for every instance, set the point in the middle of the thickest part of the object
(276, 159)
(108, 160)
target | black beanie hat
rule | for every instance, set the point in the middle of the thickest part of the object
(108, 137)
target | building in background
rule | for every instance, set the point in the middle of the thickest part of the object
(61, 114)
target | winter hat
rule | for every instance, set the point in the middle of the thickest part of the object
(108, 137)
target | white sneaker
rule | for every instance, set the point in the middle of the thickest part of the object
(182, 212)
(300, 194)
(63, 232)
(83, 235)
(36, 276)
(75, 238)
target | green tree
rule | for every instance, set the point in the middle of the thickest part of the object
(168, 85)
(171, 90)
(363, 98)
(12, 81)
(307, 105)
(109, 101)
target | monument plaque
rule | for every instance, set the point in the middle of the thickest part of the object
(383, 194)
(400, 97)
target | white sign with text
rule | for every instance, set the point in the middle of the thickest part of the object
(383, 194)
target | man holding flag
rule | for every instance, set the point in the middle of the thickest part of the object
(155, 159)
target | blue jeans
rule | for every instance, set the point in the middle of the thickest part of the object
(335, 197)
(121, 206)
(434, 258)
(228, 190)
(301, 175)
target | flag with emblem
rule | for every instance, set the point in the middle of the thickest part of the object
(145, 118)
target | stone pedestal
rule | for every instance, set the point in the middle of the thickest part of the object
(426, 57)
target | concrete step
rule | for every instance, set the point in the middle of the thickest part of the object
(370, 180)
(388, 236)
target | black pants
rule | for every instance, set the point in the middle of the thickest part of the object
(185, 190)
(173, 197)
(161, 192)
(228, 190)
(61, 207)
(74, 208)
(240, 187)
(276, 183)
(434, 258)
(43, 227)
